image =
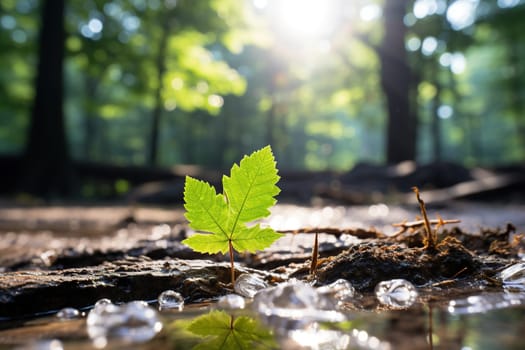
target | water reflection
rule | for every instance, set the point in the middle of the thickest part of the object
(220, 330)
(43, 344)
(315, 337)
(490, 320)
(485, 302)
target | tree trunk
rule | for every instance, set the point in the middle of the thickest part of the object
(516, 103)
(91, 123)
(435, 124)
(395, 79)
(46, 169)
(157, 110)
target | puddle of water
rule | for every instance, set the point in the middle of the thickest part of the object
(490, 320)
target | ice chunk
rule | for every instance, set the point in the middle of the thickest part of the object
(248, 285)
(341, 290)
(396, 293)
(514, 274)
(133, 322)
(231, 301)
(296, 300)
(169, 299)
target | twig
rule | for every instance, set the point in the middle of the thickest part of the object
(337, 232)
(431, 239)
(404, 226)
(315, 255)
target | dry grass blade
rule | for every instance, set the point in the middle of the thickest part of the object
(315, 255)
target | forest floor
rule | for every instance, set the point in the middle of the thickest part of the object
(103, 250)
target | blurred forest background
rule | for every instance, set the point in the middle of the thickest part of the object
(129, 91)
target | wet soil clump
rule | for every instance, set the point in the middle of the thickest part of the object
(369, 263)
(460, 258)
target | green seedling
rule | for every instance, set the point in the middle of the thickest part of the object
(249, 192)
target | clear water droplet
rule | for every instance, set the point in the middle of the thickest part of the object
(231, 301)
(296, 300)
(248, 285)
(396, 293)
(341, 290)
(102, 302)
(133, 322)
(68, 313)
(169, 299)
(514, 274)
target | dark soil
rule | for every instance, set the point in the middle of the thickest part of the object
(26, 293)
(460, 258)
(372, 262)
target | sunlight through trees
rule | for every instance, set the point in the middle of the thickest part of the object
(327, 83)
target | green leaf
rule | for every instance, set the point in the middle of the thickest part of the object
(207, 243)
(205, 209)
(250, 191)
(254, 238)
(251, 187)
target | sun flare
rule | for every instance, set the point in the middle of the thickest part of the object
(305, 17)
(301, 19)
